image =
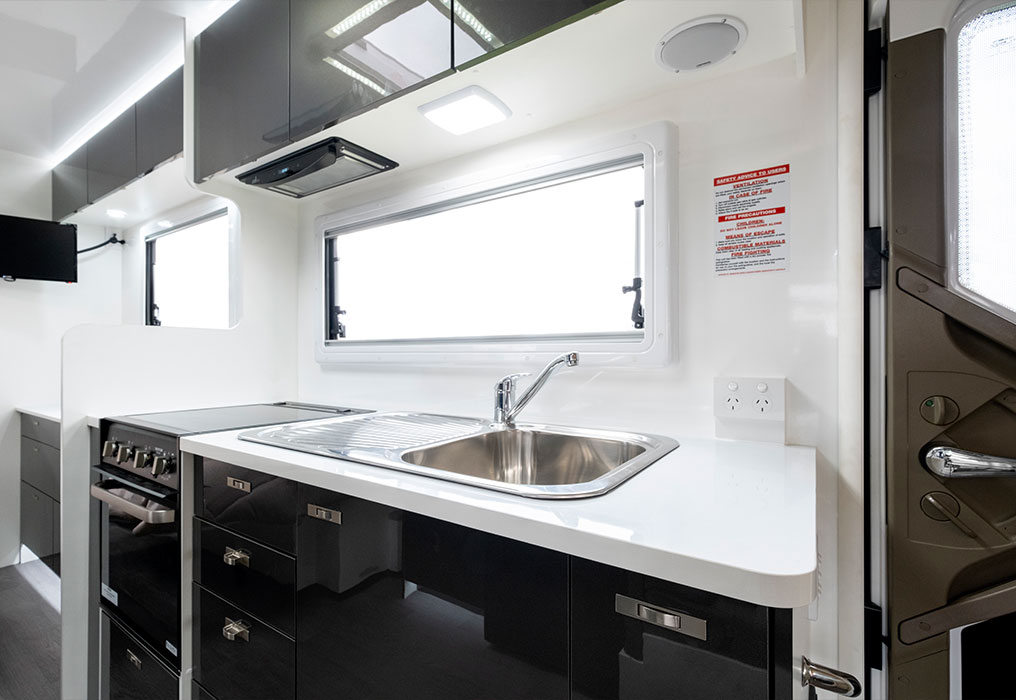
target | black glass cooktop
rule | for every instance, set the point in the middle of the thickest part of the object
(210, 420)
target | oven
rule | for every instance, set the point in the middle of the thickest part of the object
(139, 536)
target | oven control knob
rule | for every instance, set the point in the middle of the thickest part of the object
(141, 459)
(109, 448)
(123, 453)
(161, 465)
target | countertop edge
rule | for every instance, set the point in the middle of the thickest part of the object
(779, 590)
(45, 412)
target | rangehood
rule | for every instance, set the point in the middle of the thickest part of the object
(325, 164)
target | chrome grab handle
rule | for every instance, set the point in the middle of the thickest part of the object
(952, 462)
(234, 557)
(825, 678)
(673, 620)
(153, 516)
(236, 629)
(134, 659)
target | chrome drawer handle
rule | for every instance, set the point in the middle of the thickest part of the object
(238, 484)
(134, 659)
(326, 514)
(236, 629)
(234, 557)
(951, 462)
(673, 620)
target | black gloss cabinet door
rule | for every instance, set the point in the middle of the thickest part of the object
(133, 672)
(746, 653)
(70, 184)
(349, 54)
(483, 26)
(241, 86)
(112, 156)
(397, 605)
(160, 123)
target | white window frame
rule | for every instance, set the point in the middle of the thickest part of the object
(656, 143)
(965, 13)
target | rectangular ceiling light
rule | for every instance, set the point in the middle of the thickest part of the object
(466, 110)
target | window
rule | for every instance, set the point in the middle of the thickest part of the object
(572, 257)
(188, 274)
(983, 250)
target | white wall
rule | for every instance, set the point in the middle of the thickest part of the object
(771, 324)
(33, 317)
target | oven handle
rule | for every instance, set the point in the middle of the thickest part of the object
(157, 516)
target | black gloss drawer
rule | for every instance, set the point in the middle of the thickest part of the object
(40, 467)
(247, 574)
(45, 431)
(133, 671)
(256, 505)
(258, 663)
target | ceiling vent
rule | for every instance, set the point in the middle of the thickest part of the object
(700, 43)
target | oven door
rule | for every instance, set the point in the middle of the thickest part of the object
(139, 547)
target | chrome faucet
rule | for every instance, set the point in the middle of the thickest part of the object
(506, 406)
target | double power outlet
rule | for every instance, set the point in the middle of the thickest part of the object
(753, 408)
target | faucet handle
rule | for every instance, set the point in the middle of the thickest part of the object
(504, 395)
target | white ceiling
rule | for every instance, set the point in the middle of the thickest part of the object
(62, 62)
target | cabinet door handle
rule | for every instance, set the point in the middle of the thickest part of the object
(322, 513)
(673, 620)
(236, 629)
(238, 484)
(235, 557)
(134, 659)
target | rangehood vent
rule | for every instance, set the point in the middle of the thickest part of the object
(327, 163)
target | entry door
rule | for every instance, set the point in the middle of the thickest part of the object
(951, 355)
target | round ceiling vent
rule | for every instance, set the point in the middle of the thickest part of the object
(700, 43)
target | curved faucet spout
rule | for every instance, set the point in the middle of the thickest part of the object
(506, 406)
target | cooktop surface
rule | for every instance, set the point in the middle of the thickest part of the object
(210, 420)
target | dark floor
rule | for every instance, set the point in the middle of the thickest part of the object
(29, 632)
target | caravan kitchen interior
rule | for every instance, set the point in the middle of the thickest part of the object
(517, 349)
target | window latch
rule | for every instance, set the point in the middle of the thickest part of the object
(638, 314)
(338, 327)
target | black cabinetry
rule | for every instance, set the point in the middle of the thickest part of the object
(483, 27)
(344, 60)
(241, 86)
(70, 184)
(40, 488)
(134, 672)
(112, 156)
(635, 637)
(160, 123)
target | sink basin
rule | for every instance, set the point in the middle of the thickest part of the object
(537, 461)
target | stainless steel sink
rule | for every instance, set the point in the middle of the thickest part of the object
(538, 461)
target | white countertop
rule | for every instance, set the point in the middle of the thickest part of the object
(735, 518)
(47, 412)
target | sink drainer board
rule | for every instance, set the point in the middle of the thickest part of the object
(536, 461)
(384, 431)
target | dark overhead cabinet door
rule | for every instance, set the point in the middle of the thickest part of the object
(112, 156)
(951, 375)
(484, 26)
(70, 184)
(348, 55)
(160, 123)
(241, 86)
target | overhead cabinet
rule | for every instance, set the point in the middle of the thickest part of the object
(241, 83)
(271, 72)
(160, 123)
(70, 184)
(112, 156)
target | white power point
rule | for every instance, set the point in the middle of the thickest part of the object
(750, 408)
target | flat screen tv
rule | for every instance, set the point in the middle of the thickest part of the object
(31, 249)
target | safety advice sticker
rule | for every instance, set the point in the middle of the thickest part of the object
(752, 221)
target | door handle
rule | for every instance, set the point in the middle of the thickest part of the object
(234, 557)
(825, 678)
(134, 659)
(154, 516)
(952, 462)
(976, 607)
(236, 629)
(673, 620)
